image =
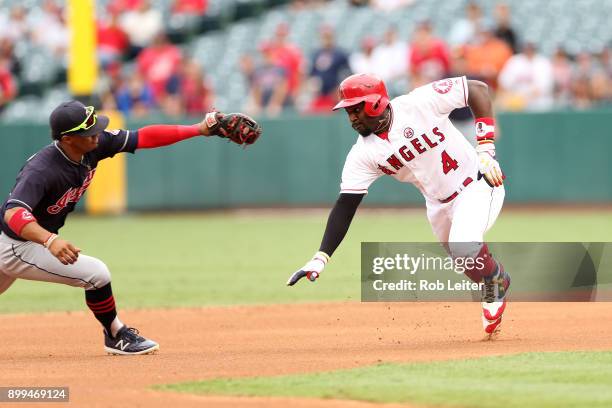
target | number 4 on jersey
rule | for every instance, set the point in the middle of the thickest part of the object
(448, 163)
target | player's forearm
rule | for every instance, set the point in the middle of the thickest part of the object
(35, 233)
(339, 220)
(31, 231)
(164, 135)
(479, 99)
(480, 103)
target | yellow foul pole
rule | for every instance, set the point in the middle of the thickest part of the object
(107, 193)
(82, 67)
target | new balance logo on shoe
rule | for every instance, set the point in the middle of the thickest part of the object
(121, 345)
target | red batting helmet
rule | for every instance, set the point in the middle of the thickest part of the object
(364, 88)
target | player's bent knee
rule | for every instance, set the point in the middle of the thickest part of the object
(101, 275)
(464, 249)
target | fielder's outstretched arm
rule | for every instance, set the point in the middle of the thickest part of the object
(236, 127)
(338, 223)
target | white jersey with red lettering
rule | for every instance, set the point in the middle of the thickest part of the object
(422, 146)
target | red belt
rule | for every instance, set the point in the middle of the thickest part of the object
(451, 197)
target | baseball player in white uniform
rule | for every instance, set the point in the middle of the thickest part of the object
(411, 139)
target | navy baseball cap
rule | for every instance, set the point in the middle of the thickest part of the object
(72, 118)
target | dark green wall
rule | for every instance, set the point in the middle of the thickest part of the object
(555, 157)
(18, 142)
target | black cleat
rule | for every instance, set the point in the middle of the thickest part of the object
(128, 342)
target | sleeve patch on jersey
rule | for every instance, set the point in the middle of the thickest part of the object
(408, 133)
(442, 87)
(114, 132)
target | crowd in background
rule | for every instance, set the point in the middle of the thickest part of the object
(280, 76)
(129, 30)
(486, 48)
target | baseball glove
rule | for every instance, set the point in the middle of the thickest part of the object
(237, 127)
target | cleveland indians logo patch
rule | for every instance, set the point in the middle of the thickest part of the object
(443, 86)
(408, 133)
(73, 195)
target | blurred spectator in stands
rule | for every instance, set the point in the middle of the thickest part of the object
(503, 29)
(247, 67)
(390, 5)
(297, 5)
(190, 93)
(107, 101)
(605, 59)
(486, 56)
(359, 3)
(113, 42)
(465, 30)
(15, 26)
(602, 79)
(7, 51)
(562, 77)
(391, 56)
(329, 68)
(8, 85)
(142, 26)
(49, 29)
(589, 82)
(124, 5)
(605, 62)
(289, 56)
(526, 81)
(134, 97)
(363, 61)
(192, 7)
(269, 85)
(107, 85)
(429, 58)
(187, 19)
(246, 64)
(581, 93)
(158, 64)
(458, 62)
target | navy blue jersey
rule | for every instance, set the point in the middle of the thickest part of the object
(50, 184)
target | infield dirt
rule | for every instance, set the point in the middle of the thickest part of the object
(65, 349)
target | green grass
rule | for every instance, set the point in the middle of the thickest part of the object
(579, 379)
(222, 259)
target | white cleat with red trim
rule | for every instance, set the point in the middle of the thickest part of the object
(494, 301)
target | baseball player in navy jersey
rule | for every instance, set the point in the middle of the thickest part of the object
(411, 139)
(51, 183)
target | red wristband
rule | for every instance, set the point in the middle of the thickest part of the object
(485, 129)
(20, 219)
(164, 135)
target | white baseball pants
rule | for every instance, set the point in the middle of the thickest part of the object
(31, 261)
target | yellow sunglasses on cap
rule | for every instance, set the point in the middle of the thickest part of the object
(88, 123)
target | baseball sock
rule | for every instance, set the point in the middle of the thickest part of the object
(116, 325)
(489, 265)
(102, 303)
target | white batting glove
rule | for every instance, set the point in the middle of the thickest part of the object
(311, 270)
(488, 166)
